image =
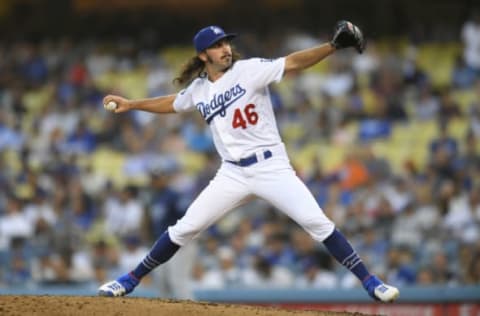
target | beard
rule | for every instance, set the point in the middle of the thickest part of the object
(224, 64)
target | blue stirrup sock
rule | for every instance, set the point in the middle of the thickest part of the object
(342, 251)
(161, 252)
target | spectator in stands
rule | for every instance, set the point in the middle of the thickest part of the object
(378, 167)
(373, 245)
(80, 141)
(413, 74)
(11, 135)
(471, 39)
(400, 265)
(317, 272)
(131, 251)
(385, 217)
(231, 274)
(387, 84)
(443, 152)
(164, 208)
(398, 193)
(425, 276)
(406, 229)
(82, 213)
(205, 279)
(357, 217)
(463, 76)
(469, 159)
(19, 267)
(474, 202)
(449, 108)
(442, 270)
(371, 197)
(426, 104)
(263, 274)
(243, 253)
(427, 214)
(104, 259)
(124, 215)
(465, 254)
(340, 79)
(458, 220)
(474, 112)
(352, 173)
(303, 246)
(39, 210)
(14, 224)
(474, 269)
(277, 251)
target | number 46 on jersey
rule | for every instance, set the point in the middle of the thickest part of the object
(243, 117)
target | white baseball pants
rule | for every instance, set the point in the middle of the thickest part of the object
(272, 179)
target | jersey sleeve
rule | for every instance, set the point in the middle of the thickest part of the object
(184, 101)
(263, 71)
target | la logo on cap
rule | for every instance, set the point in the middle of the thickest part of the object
(216, 30)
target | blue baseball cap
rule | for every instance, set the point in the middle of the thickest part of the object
(208, 36)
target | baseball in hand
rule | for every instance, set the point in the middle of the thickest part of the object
(112, 105)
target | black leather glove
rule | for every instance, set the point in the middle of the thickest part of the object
(346, 34)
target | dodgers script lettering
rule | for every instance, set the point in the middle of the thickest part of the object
(220, 102)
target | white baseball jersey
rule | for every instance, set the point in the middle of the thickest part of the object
(238, 109)
(237, 106)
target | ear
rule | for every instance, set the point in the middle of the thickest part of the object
(203, 56)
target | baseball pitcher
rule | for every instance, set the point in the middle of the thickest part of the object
(233, 98)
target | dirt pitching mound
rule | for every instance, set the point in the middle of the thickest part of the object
(104, 306)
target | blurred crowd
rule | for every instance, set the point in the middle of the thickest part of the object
(84, 192)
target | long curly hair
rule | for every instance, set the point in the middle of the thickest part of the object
(195, 67)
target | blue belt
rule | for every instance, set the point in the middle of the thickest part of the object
(250, 160)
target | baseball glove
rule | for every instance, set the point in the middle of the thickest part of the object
(346, 34)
